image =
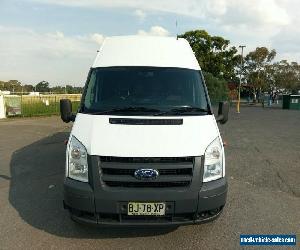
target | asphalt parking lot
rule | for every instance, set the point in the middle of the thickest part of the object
(263, 171)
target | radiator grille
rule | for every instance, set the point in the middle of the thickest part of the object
(148, 184)
(146, 159)
(173, 171)
(121, 171)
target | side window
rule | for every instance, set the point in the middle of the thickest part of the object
(91, 90)
(198, 91)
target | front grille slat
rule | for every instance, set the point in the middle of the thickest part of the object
(116, 159)
(121, 171)
(148, 184)
(136, 165)
(173, 171)
(165, 178)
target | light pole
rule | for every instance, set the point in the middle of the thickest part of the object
(239, 94)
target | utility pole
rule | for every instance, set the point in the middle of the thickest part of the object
(242, 66)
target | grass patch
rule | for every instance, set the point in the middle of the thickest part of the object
(41, 109)
(43, 105)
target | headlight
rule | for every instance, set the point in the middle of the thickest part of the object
(213, 164)
(77, 168)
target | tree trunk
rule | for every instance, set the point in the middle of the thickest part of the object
(254, 96)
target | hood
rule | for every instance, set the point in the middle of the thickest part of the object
(102, 138)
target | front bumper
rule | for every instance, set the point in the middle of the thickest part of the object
(109, 207)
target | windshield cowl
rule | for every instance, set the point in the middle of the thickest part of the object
(131, 111)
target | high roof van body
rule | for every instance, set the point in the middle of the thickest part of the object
(145, 148)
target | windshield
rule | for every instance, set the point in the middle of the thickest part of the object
(144, 90)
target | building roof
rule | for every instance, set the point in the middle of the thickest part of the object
(146, 51)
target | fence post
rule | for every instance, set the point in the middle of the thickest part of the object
(2, 107)
(56, 110)
(21, 105)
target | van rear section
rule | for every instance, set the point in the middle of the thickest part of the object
(145, 148)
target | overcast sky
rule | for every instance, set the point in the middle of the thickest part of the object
(56, 40)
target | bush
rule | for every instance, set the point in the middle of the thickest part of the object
(217, 88)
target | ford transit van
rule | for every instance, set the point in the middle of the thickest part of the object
(145, 148)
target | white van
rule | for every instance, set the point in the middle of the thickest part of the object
(145, 148)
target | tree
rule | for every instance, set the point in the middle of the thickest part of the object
(42, 86)
(285, 75)
(255, 69)
(11, 85)
(213, 53)
(217, 88)
(69, 89)
(28, 88)
(58, 89)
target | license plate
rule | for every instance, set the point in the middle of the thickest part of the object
(149, 208)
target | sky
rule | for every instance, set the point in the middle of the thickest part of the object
(57, 40)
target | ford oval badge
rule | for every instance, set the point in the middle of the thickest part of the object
(146, 174)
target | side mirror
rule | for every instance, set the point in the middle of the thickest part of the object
(66, 111)
(223, 112)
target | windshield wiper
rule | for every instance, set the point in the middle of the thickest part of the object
(125, 109)
(183, 109)
(189, 109)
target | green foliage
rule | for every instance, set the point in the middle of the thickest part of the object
(42, 86)
(40, 109)
(217, 88)
(11, 85)
(213, 53)
(284, 75)
(255, 70)
(67, 89)
(220, 63)
(28, 88)
(24, 105)
(15, 86)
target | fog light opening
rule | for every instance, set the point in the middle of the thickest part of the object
(209, 213)
(214, 211)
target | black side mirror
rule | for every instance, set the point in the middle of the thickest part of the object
(66, 111)
(223, 112)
